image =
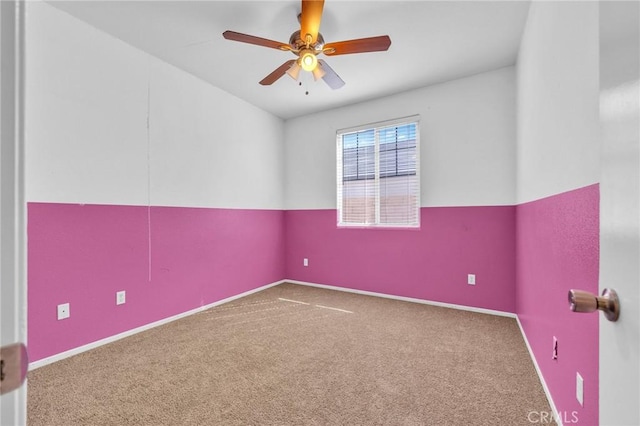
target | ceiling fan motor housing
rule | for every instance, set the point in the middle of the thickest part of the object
(297, 44)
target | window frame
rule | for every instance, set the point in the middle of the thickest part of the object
(376, 127)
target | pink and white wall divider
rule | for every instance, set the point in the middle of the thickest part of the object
(467, 157)
(180, 214)
(558, 197)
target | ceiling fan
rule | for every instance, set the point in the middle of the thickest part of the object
(308, 43)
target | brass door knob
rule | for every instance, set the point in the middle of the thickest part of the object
(13, 367)
(608, 303)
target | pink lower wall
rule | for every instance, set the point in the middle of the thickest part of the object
(429, 263)
(525, 258)
(558, 249)
(83, 254)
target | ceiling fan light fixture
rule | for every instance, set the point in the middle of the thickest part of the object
(318, 73)
(294, 71)
(308, 60)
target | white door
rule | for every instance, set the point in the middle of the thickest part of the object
(13, 405)
(620, 211)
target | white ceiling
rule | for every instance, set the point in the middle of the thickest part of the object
(432, 42)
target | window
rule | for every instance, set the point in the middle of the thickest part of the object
(378, 175)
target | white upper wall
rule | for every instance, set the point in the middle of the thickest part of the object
(558, 95)
(467, 143)
(209, 148)
(86, 127)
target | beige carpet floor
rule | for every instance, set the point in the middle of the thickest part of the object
(296, 355)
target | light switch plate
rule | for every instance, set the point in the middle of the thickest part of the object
(471, 279)
(121, 297)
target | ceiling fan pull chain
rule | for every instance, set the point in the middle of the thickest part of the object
(305, 88)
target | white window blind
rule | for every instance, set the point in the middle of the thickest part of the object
(378, 174)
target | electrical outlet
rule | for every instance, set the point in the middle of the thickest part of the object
(580, 389)
(554, 354)
(120, 297)
(63, 311)
(305, 262)
(471, 279)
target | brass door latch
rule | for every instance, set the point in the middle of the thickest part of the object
(608, 303)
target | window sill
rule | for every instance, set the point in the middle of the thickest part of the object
(380, 227)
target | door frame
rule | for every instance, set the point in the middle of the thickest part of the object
(13, 235)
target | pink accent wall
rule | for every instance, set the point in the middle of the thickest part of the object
(429, 263)
(83, 254)
(558, 249)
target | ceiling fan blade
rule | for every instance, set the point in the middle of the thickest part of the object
(330, 77)
(259, 41)
(359, 45)
(277, 73)
(310, 18)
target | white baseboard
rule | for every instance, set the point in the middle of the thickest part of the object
(92, 345)
(407, 299)
(558, 419)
